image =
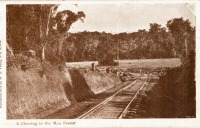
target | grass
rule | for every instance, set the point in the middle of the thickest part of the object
(31, 96)
(84, 64)
(136, 63)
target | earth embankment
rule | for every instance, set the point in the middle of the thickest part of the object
(36, 89)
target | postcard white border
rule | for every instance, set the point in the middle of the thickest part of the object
(188, 122)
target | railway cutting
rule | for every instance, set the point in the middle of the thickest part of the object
(122, 104)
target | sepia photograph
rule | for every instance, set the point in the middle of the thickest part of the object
(100, 61)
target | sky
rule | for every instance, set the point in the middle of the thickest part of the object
(127, 17)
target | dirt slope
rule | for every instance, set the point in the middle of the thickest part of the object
(36, 89)
(31, 94)
(100, 82)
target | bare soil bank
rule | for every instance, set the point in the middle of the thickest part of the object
(75, 110)
(36, 89)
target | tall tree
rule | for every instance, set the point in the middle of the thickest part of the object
(162, 41)
(26, 26)
(182, 32)
(62, 22)
(30, 26)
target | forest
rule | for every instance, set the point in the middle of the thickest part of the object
(42, 29)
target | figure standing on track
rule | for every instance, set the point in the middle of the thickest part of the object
(107, 70)
(140, 70)
(93, 68)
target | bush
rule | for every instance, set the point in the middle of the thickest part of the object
(108, 61)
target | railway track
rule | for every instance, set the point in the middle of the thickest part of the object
(122, 104)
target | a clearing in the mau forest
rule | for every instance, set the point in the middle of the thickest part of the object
(135, 63)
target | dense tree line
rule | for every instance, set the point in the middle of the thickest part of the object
(38, 27)
(157, 42)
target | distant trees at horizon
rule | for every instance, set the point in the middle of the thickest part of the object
(27, 24)
(177, 40)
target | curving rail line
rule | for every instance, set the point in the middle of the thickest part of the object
(126, 92)
(123, 114)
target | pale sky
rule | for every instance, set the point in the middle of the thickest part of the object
(116, 18)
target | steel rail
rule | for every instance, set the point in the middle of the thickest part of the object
(148, 84)
(107, 99)
(125, 110)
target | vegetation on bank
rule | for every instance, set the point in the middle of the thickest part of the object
(35, 89)
(175, 94)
